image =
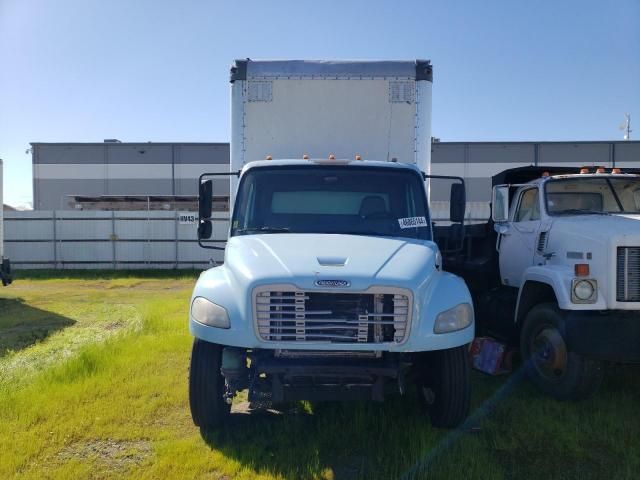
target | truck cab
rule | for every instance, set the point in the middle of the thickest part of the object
(568, 247)
(332, 288)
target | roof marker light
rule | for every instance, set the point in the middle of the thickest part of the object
(584, 170)
(269, 157)
(332, 157)
(305, 157)
(545, 174)
(358, 157)
(616, 170)
(600, 170)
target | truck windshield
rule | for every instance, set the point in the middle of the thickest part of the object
(327, 199)
(593, 195)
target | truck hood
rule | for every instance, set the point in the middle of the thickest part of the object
(302, 259)
(599, 228)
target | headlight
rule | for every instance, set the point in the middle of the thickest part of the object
(455, 318)
(208, 313)
(584, 291)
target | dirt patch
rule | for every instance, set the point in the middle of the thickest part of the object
(114, 455)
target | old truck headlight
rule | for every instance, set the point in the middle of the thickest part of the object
(208, 313)
(584, 290)
(455, 318)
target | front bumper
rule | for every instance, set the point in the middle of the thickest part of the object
(612, 335)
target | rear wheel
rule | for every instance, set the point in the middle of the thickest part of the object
(551, 366)
(206, 386)
(444, 386)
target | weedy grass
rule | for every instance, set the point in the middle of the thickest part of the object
(93, 384)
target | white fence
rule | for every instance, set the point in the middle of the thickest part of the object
(116, 240)
(130, 239)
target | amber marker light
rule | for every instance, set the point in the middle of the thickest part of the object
(582, 269)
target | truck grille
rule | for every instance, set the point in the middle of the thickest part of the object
(290, 315)
(628, 274)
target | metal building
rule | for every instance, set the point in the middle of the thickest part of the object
(162, 173)
(162, 176)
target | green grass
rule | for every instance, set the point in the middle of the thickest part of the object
(93, 384)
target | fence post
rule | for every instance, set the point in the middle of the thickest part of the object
(175, 231)
(55, 240)
(113, 238)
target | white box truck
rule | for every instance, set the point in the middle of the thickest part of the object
(332, 287)
(5, 265)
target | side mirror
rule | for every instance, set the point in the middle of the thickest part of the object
(205, 199)
(457, 203)
(205, 229)
(500, 203)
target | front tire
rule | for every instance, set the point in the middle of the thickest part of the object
(444, 386)
(206, 386)
(550, 365)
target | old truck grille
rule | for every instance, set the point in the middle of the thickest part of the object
(290, 315)
(628, 274)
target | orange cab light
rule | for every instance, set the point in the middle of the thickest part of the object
(616, 170)
(358, 157)
(545, 174)
(582, 269)
(600, 170)
(332, 157)
(269, 157)
(584, 170)
(305, 157)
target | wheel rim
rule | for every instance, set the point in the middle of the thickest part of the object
(549, 353)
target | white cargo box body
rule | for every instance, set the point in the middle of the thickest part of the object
(379, 110)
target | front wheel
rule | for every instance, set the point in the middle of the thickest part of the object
(551, 366)
(444, 386)
(206, 386)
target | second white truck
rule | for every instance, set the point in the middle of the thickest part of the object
(558, 272)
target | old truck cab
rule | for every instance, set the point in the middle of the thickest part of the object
(569, 245)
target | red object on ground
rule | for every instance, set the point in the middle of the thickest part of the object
(490, 356)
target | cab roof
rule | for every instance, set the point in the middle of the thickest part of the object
(312, 162)
(532, 173)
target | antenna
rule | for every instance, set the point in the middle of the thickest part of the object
(626, 126)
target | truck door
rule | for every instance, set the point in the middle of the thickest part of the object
(517, 238)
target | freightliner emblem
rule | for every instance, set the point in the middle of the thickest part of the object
(333, 283)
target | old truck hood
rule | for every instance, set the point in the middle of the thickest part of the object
(600, 228)
(301, 259)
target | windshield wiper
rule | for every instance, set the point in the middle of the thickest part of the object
(264, 229)
(572, 211)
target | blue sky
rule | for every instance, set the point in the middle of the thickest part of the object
(153, 70)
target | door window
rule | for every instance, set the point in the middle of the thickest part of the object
(529, 207)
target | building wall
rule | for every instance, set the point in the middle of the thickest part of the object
(94, 169)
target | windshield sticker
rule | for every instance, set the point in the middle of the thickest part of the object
(412, 222)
